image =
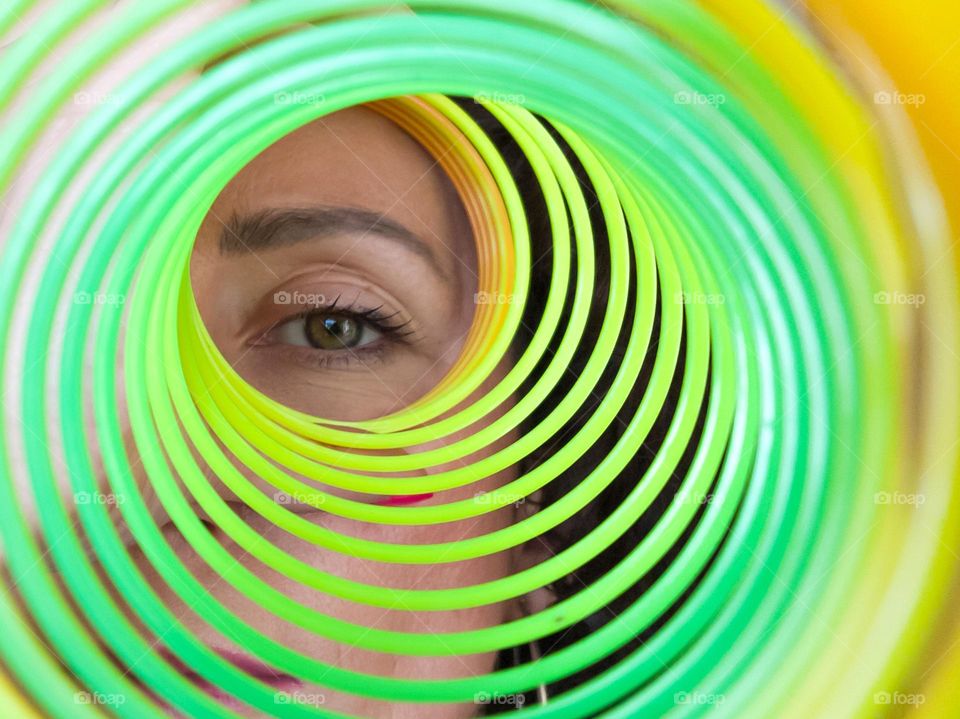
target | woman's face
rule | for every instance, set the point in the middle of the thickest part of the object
(347, 215)
(336, 273)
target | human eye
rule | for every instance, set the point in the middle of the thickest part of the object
(339, 335)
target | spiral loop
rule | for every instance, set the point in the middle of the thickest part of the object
(742, 275)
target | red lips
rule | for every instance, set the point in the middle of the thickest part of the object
(404, 499)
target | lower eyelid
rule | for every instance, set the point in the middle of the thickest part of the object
(357, 358)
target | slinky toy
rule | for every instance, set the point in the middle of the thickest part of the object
(752, 189)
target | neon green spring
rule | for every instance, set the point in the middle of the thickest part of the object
(763, 248)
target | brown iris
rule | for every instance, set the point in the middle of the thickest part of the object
(329, 331)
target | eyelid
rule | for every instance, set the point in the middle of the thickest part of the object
(389, 337)
(315, 283)
(286, 304)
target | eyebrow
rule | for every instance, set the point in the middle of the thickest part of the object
(277, 228)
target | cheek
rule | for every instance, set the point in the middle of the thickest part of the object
(380, 389)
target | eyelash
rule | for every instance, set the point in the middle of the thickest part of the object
(392, 333)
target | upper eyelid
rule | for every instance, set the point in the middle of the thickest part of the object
(304, 292)
(366, 313)
(393, 330)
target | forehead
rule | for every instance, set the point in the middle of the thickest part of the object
(354, 158)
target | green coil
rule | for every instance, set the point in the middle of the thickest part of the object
(743, 254)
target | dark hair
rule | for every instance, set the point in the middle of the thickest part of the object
(587, 519)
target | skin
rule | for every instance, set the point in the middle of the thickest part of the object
(353, 158)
